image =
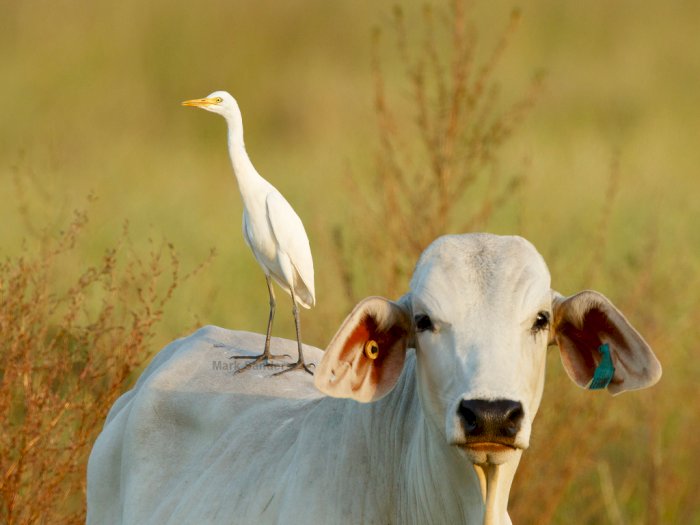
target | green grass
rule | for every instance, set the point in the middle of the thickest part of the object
(90, 104)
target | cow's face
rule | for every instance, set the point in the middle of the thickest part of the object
(480, 314)
(481, 307)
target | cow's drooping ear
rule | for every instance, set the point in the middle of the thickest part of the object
(365, 358)
(583, 323)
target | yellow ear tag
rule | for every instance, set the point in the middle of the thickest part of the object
(372, 349)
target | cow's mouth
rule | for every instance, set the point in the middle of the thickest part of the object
(488, 452)
(488, 446)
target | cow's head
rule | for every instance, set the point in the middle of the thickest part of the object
(480, 314)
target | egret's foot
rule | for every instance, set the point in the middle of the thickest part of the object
(268, 356)
(262, 358)
(299, 365)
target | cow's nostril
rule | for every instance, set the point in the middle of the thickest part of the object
(512, 421)
(469, 419)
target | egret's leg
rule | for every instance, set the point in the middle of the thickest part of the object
(273, 303)
(266, 355)
(299, 365)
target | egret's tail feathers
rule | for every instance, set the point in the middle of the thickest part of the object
(304, 292)
(310, 302)
(305, 297)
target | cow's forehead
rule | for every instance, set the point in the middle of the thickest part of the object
(478, 268)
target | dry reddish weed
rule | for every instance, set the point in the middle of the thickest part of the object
(65, 356)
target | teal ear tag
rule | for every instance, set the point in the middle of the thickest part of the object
(605, 370)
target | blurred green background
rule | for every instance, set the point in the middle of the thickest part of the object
(89, 103)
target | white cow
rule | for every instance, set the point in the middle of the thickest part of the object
(449, 379)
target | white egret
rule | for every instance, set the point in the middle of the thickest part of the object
(271, 228)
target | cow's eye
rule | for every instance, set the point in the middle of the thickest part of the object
(423, 323)
(541, 322)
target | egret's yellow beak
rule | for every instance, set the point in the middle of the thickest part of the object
(200, 102)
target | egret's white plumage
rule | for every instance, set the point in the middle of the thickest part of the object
(271, 228)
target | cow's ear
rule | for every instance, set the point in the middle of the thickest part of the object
(365, 358)
(583, 324)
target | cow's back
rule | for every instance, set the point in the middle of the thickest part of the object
(168, 447)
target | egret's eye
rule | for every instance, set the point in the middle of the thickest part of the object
(423, 323)
(541, 322)
(219, 100)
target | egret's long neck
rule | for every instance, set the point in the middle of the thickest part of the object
(248, 178)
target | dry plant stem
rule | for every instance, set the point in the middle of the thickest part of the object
(436, 145)
(607, 489)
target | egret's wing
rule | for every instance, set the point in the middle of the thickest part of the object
(291, 238)
(248, 238)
